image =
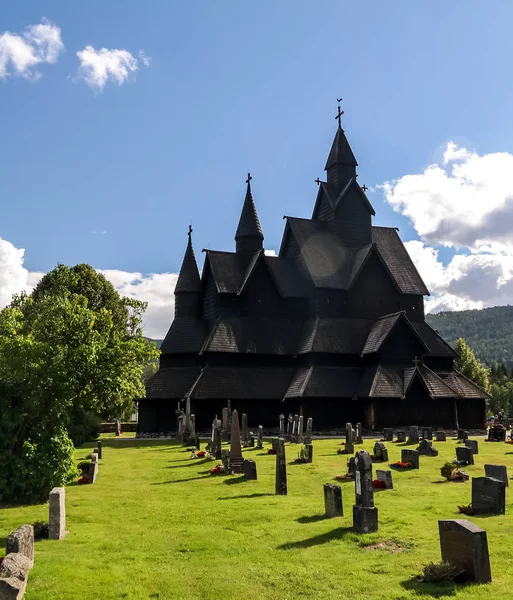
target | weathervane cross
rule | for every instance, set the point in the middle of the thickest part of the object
(190, 230)
(340, 113)
(249, 178)
(364, 187)
(417, 361)
(318, 181)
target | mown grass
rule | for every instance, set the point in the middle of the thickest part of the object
(157, 525)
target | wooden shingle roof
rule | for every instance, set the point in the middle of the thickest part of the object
(340, 152)
(171, 383)
(324, 382)
(186, 334)
(249, 223)
(188, 279)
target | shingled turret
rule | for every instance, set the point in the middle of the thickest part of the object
(249, 237)
(341, 164)
(188, 286)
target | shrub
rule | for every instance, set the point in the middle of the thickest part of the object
(84, 426)
(438, 572)
(446, 470)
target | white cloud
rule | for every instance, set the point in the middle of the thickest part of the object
(20, 53)
(465, 203)
(270, 252)
(98, 67)
(14, 278)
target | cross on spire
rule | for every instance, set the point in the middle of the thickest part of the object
(190, 231)
(364, 187)
(417, 361)
(249, 178)
(318, 181)
(340, 113)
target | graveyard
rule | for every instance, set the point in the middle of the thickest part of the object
(157, 524)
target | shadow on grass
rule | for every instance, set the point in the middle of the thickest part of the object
(129, 443)
(195, 461)
(235, 480)
(433, 590)
(312, 519)
(251, 449)
(3, 541)
(257, 495)
(180, 480)
(317, 540)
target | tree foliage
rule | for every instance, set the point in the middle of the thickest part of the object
(72, 346)
(470, 366)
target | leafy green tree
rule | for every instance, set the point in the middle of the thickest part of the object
(60, 353)
(470, 366)
(502, 397)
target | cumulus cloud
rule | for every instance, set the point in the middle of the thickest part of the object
(98, 67)
(14, 278)
(21, 53)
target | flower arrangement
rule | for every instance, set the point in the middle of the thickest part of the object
(201, 453)
(217, 470)
(401, 465)
(271, 451)
(380, 485)
(83, 479)
(509, 442)
(344, 477)
(466, 509)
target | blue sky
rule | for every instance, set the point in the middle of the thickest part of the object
(114, 177)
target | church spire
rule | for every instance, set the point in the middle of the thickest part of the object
(249, 236)
(341, 164)
(188, 279)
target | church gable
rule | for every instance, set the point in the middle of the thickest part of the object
(323, 210)
(260, 294)
(402, 344)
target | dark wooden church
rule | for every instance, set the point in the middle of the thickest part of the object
(333, 326)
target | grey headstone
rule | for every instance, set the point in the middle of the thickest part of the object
(411, 456)
(497, 434)
(260, 437)
(281, 469)
(236, 460)
(413, 435)
(365, 514)
(225, 457)
(359, 434)
(401, 436)
(21, 541)
(488, 496)
(499, 472)
(93, 469)
(309, 453)
(440, 436)
(349, 444)
(250, 469)
(351, 467)
(282, 426)
(295, 428)
(333, 500)
(225, 426)
(300, 436)
(427, 433)
(100, 449)
(290, 422)
(388, 434)
(308, 434)
(15, 566)
(380, 452)
(462, 434)
(386, 477)
(464, 455)
(473, 445)
(465, 546)
(426, 448)
(12, 588)
(57, 514)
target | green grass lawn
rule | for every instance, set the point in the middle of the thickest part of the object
(157, 525)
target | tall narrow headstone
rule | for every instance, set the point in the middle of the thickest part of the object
(295, 428)
(118, 427)
(333, 500)
(359, 435)
(309, 453)
(413, 435)
(464, 545)
(236, 459)
(282, 426)
(57, 514)
(260, 437)
(229, 406)
(245, 429)
(349, 445)
(308, 434)
(300, 436)
(193, 427)
(93, 468)
(365, 514)
(216, 439)
(281, 469)
(290, 421)
(225, 428)
(100, 449)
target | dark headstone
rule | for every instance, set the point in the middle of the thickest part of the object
(100, 449)
(197, 443)
(236, 460)
(351, 467)
(251, 441)
(488, 496)
(440, 436)
(462, 434)
(413, 435)
(427, 433)
(225, 457)
(388, 434)
(295, 428)
(245, 429)
(473, 445)
(309, 453)
(464, 455)
(57, 514)
(349, 445)
(499, 472)
(225, 428)
(380, 452)
(290, 422)
(365, 514)
(401, 436)
(359, 434)
(281, 469)
(282, 426)
(260, 437)
(333, 500)
(465, 546)
(250, 469)
(386, 477)
(411, 456)
(426, 448)
(497, 434)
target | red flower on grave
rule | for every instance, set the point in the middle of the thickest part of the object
(84, 479)
(201, 453)
(217, 470)
(378, 484)
(401, 465)
(271, 451)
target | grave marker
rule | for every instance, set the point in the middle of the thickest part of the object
(281, 469)
(250, 469)
(411, 456)
(488, 496)
(236, 460)
(499, 472)
(21, 541)
(462, 434)
(388, 434)
(100, 449)
(282, 426)
(245, 429)
(440, 436)
(349, 445)
(401, 436)
(308, 434)
(300, 437)
(359, 435)
(465, 546)
(380, 452)
(93, 468)
(260, 437)
(333, 500)
(386, 477)
(473, 445)
(57, 514)
(426, 448)
(308, 453)
(290, 420)
(464, 456)
(413, 435)
(365, 514)
(427, 433)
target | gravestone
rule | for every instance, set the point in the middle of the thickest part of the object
(488, 496)
(57, 514)
(197, 443)
(188, 435)
(440, 436)
(308, 434)
(426, 448)
(225, 430)
(300, 437)
(497, 434)
(401, 436)
(245, 430)
(251, 442)
(21, 541)
(351, 467)
(229, 406)
(465, 546)
(380, 452)
(100, 449)
(275, 444)
(309, 453)
(359, 435)
(462, 434)
(225, 457)
(464, 456)
(349, 445)
(333, 500)
(427, 433)
(386, 477)
(290, 421)
(250, 469)
(216, 439)
(281, 470)
(93, 468)
(282, 426)
(295, 429)
(365, 514)
(388, 434)
(413, 435)
(499, 472)
(181, 427)
(14, 570)
(473, 445)
(236, 460)
(411, 456)
(260, 437)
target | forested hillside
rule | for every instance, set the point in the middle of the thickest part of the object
(489, 332)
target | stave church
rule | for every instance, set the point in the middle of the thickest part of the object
(332, 328)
